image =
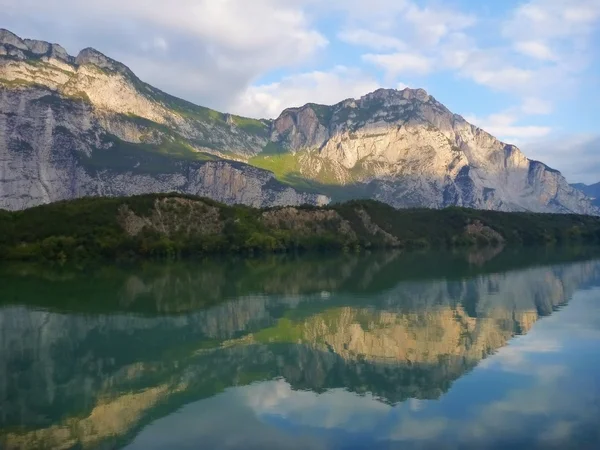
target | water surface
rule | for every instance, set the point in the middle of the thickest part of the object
(385, 350)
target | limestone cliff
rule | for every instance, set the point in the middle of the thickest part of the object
(407, 149)
(87, 125)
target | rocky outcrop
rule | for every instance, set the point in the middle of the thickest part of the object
(309, 223)
(412, 151)
(86, 125)
(167, 214)
(55, 148)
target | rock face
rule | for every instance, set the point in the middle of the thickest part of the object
(86, 125)
(407, 149)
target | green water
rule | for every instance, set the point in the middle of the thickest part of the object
(384, 350)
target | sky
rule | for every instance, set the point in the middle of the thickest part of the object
(527, 71)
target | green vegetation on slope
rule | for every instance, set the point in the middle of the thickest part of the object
(280, 163)
(307, 171)
(288, 168)
(122, 156)
(251, 126)
(173, 225)
(18, 82)
(202, 114)
(324, 113)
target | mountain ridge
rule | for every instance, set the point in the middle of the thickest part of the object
(107, 127)
(591, 190)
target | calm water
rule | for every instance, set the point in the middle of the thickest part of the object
(376, 351)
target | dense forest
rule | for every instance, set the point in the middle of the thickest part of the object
(174, 226)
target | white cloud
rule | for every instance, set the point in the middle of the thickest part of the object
(423, 26)
(552, 19)
(158, 43)
(506, 78)
(401, 63)
(231, 43)
(373, 12)
(577, 155)
(493, 67)
(370, 39)
(535, 49)
(535, 106)
(560, 431)
(504, 127)
(514, 133)
(432, 24)
(556, 36)
(269, 100)
(234, 25)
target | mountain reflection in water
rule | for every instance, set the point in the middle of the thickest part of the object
(313, 352)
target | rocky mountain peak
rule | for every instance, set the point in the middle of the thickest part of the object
(9, 38)
(94, 57)
(31, 48)
(40, 48)
(313, 124)
(383, 97)
(395, 103)
(394, 94)
(14, 46)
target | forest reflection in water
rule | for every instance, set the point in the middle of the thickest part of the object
(108, 356)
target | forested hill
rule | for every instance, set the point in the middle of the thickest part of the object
(172, 225)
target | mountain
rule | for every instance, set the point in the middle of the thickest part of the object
(88, 126)
(407, 149)
(591, 190)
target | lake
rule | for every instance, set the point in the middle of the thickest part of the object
(385, 350)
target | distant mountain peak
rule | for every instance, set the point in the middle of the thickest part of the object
(591, 190)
